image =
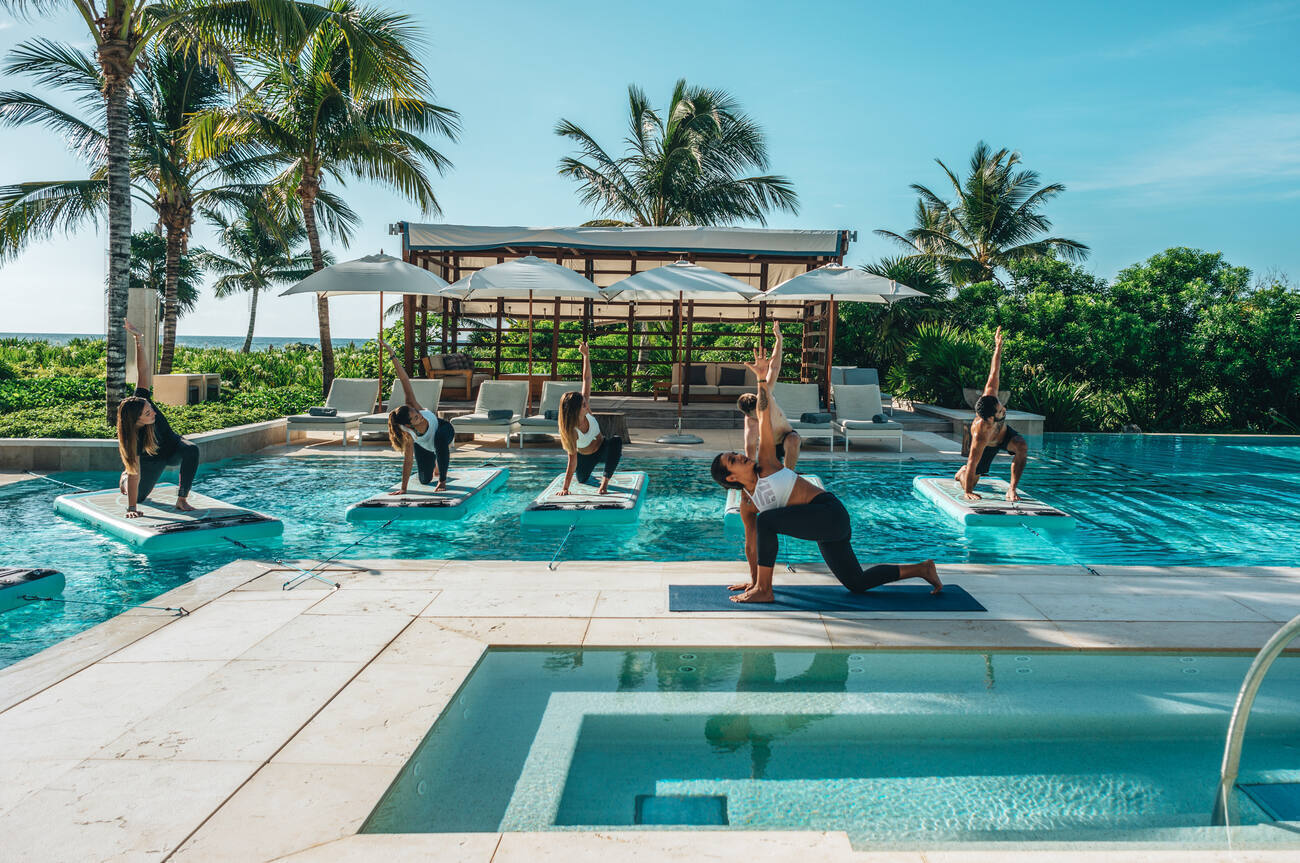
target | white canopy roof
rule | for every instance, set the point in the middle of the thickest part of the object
(845, 284)
(373, 274)
(680, 280)
(738, 241)
(526, 278)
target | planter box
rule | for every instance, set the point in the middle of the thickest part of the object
(1029, 425)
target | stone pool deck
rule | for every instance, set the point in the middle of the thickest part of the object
(267, 723)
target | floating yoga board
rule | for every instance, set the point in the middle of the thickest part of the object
(18, 583)
(583, 506)
(992, 509)
(160, 526)
(464, 489)
(731, 523)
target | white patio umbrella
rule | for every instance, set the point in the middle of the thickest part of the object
(374, 274)
(835, 283)
(681, 281)
(527, 278)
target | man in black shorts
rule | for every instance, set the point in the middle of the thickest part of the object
(989, 433)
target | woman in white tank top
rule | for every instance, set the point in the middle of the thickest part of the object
(418, 435)
(581, 437)
(777, 501)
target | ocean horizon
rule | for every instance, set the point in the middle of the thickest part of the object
(260, 343)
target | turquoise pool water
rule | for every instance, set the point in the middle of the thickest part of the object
(896, 748)
(1139, 500)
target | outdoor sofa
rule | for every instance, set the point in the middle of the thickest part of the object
(457, 370)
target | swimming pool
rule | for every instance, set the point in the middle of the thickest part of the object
(1161, 500)
(899, 749)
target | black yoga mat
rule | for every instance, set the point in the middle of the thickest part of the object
(825, 597)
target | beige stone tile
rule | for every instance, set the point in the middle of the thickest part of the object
(392, 579)
(535, 575)
(581, 847)
(1167, 635)
(59, 661)
(118, 810)
(1198, 571)
(244, 712)
(379, 718)
(76, 717)
(945, 634)
(1000, 606)
(285, 808)
(397, 563)
(219, 630)
(719, 630)
(20, 779)
(459, 641)
(1132, 606)
(632, 603)
(982, 583)
(403, 848)
(408, 603)
(335, 637)
(490, 602)
(271, 584)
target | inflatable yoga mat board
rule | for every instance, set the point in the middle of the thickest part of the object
(622, 505)
(992, 509)
(465, 488)
(160, 526)
(18, 583)
(731, 523)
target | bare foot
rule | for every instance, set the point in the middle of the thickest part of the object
(182, 505)
(604, 486)
(931, 575)
(754, 595)
(744, 585)
(1012, 496)
(442, 486)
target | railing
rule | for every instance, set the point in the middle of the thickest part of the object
(1241, 712)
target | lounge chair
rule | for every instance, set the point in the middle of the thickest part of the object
(795, 400)
(854, 376)
(495, 396)
(427, 393)
(353, 398)
(855, 405)
(552, 392)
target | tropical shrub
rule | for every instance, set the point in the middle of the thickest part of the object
(1066, 406)
(940, 361)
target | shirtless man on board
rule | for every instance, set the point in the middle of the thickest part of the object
(989, 433)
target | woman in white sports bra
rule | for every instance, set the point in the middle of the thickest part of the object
(581, 437)
(418, 435)
(788, 504)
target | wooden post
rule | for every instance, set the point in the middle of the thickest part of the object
(677, 346)
(830, 348)
(555, 341)
(408, 332)
(690, 332)
(501, 308)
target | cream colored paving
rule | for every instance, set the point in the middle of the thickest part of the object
(268, 722)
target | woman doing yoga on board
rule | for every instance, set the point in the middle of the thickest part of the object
(788, 504)
(418, 435)
(581, 437)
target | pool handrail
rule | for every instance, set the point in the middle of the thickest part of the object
(1271, 650)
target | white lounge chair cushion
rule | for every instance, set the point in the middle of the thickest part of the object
(341, 418)
(868, 425)
(540, 421)
(481, 420)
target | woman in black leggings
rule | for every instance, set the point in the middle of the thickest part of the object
(581, 437)
(418, 434)
(147, 444)
(786, 503)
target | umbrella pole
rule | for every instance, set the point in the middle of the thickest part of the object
(379, 348)
(679, 437)
(530, 336)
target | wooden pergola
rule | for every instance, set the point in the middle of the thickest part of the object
(762, 258)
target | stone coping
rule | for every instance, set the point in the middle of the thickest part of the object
(268, 723)
(969, 413)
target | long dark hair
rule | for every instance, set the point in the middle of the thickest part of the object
(398, 417)
(570, 413)
(721, 474)
(128, 428)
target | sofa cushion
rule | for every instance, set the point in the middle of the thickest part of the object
(730, 376)
(698, 390)
(697, 376)
(730, 391)
(435, 362)
(457, 361)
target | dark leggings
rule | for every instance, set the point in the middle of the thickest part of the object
(825, 521)
(424, 460)
(186, 455)
(610, 449)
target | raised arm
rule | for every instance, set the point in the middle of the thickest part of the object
(774, 367)
(402, 376)
(143, 368)
(995, 367)
(766, 435)
(586, 372)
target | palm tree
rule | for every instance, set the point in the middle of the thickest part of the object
(123, 30)
(326, 119)
(994, 218)
(258, 257)
(149, 270)
(683, 167)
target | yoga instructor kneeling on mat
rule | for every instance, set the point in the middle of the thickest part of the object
(788, 504)
(147, 444)
(418, 434)
(580, 434)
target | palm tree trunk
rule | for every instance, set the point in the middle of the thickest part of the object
(252, 320)
(112, 57)
(322, 304)
(171, 272)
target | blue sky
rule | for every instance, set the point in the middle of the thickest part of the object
(1169, 123)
